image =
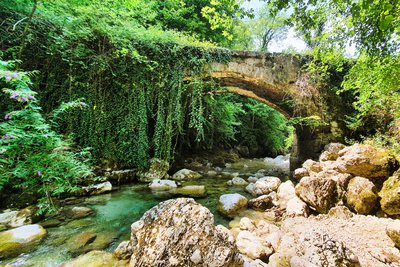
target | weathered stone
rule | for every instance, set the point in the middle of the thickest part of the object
(16, 241)
(96, 259)
(340, 212)
(394, 234)
(296, 207)
(390, 195)
(190, 191)
(161, 185)
(252, 179)
(253, 246)
(312, 166)
(170, 233)
(13, 219)
(186, 174)
(264, 186)
(120, 176)
(341, 179)
(365, 161)
(98, 188)
(300, 173)
(247, 224)
(231, 204)
(77, 212)
(158, 169)
(331, 151)
(124, 250)
(361, 195)
(7, 217)
(319, 194)
(50, 223)
(77, 244)
(237, 181)
(261, 203)
(286, 191)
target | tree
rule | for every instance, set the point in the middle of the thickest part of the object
(269, 26)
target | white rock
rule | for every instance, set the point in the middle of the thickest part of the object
(186, 174)
(286, 191)
(253, 246)
(231, 204)
(161, 185)
(296, 207)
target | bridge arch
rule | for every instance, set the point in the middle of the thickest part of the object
(275, 80)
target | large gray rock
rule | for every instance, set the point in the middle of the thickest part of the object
(162, 185)
(231, 204)
(263, 186)
(390, 196)
(16, 241)
(365, 161)
(98, 188)
(319, 194)
(179, 232)
(186, 174)
(361, 195)
(158, 170)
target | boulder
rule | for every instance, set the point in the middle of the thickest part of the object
(120, 176)
(341, 179)
(77, 212)
(158, 169)
(162, 185)
(16, 241)
(186, 174)
(98, 188)
(312, 166)
(296, 207)
(394, 234)
(231, 204)
(390, 195)
(300, 173)
(253, 246)
(319, 194)
(286, 191)
(252, 179)
(340, 212)
(190, 191)
(264, 186)
(96, 259)
(361, 195)
(261, 203)
(237, 181)
(180, 232)
(331, 151)
(13, 219)
(365, 161)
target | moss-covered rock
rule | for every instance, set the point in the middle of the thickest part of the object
(190, 191)
(16, 241)
(361, 195)
(390, 196)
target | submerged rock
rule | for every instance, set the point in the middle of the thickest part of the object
(390, 195)
(186, 174)
(231, 204)
(158, 184)
(361, 195)
(190, 191)
(96, 259)
(179, 232)
(237, 181)
(16, 241)
(78, 212)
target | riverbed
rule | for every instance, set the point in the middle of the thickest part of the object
(116, 211)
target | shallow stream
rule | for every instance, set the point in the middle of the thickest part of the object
(116, 211)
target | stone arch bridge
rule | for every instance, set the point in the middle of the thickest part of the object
(279, 81)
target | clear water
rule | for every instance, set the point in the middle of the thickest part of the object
(115, 212)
